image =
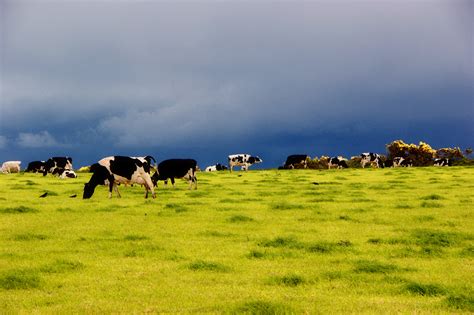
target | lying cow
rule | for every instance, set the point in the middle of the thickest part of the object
(114, 170)
(216, 167)
(35, 167)
(11, 167)
(243, 160)
(442, 162)
(337, 162)
(372, 159)
(405, 163)
(63, 173)
(296, 160)
(176, 168)
(57, 163)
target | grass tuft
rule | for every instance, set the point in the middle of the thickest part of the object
(283, 205)
(262, 308)
(438, 238)
(29, 237)
(20, 279)
(291, 280)
(289, 242)
(62, 266)
(366, 266)
(431, 204)
(19, 209)
(201, 265)
(461, 302)
(256, 254)
(433, 197)
(240, 218)
(424, 289)
(176, 207)
(135, 237)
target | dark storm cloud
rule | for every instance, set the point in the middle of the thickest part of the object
(141, 74)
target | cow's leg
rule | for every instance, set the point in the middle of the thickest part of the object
(172, 181)
(195, 180)
(149, 185)
(117, 191)
(111, 186)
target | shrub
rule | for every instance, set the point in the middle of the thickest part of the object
(421, 154)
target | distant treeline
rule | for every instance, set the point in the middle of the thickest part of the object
(421, 155)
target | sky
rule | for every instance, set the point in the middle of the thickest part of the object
(205, 79)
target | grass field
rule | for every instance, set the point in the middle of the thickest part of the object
(261, 242)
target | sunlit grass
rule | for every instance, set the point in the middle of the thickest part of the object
(257, 242)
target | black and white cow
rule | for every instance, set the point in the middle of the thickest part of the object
(398, 160)
(442, 162)
(36, 167)
(176, 168)
(406, 163)
(296, 160)
(114, 170)
(57, 162)
(216, 167)
(243, 160)
(11, 167)
(371, 158)
(338, 162)
(63, 173)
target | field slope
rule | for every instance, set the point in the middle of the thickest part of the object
(266, 242)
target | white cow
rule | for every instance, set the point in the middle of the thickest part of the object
(11, 167)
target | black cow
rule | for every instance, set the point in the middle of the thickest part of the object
(338, 161)
(114, 170)
(36, 167)
(296, 160)
(57, 162)
(388, 163)
(442, 162)
(176, 168)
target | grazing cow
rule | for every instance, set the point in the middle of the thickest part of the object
(114, 170)
(216, 167)
(243, 160)
(11, 167)
(176, 168)
(35, 167)
(371, 158)
(339, 162)
(442, 162)
(296, 160)
(57, 162)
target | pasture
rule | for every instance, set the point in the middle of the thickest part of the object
(265, 242)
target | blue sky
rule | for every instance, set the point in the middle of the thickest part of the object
(205, 79)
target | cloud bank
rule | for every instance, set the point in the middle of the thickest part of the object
(164, 74)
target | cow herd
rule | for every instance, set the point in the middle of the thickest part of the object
(116, 170)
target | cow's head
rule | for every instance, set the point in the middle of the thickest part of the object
(88, 190)
(255, 160)
(154, 179)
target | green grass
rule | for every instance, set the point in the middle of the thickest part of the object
(257, 242)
